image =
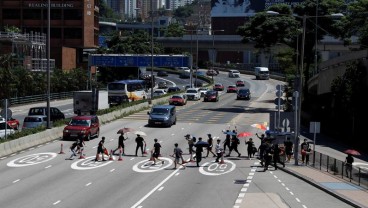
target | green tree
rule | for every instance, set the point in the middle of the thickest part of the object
(174, 30)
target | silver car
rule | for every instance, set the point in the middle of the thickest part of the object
(34, 121)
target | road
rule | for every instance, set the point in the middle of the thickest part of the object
(40, 177)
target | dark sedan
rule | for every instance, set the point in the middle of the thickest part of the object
(211, 95)
(243, 93)
(162, 74)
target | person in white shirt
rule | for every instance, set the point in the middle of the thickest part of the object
(219, 150)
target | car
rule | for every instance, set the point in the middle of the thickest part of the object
(231, 88)
(198, 83)
(31, 122)
(9, 130)
(240, 83)
(12, 122)
(56, 114)
(234, 73)
(162, 85)
(199, 73)
(162, 74)
(211, 95)
(203, 90)
(211, 72)
(183, 69)
(173, 89)
(193, 94)
(178, 100)
(218, 87)
(243, 93)
(158, 92)
(162, 115)
(87, 126)
(184, 75)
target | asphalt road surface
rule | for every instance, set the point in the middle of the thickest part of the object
(41, 177)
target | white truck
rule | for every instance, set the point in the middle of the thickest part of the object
(193, 94)
(261, 72)
(87, 102)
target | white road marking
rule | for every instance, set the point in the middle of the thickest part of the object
(287, 189)
(112, 170)
(154, 189)
(247, 184)
(304, 206)
(131, 158)
(252, 174)
(22, 151)
(16, 180)
(279, 180)
(244, 190)
(57, 202)
(48, 166)
(249, 177)
(12, 155)
(241, 195)
(160, 189)
(32, 159)
(40, 145)
(88, 184)
(3, 158)
(238, 201)
(291, 193)
(297, 200)
(177, 174)
(217, 169)
(32, 148)
(282, 184)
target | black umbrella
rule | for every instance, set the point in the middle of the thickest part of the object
(201, 144)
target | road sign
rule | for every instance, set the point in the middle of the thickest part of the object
(5, 103)
(6, 113)
(285, 122)
(279, 101)
(279, 93)
(314, 127)
(280, 87)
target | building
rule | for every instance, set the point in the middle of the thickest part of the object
(74, 26)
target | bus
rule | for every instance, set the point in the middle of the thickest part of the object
(126, 91)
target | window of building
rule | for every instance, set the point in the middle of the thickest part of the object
(11, 13)
(55, 14)
(72, 33)
(55, 32)
(32, 14)
(72, 14)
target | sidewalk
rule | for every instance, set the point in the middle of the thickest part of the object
(341, 189)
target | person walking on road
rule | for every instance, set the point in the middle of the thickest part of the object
(190, 143)
(349, 165)
(288, 149)
(262, 137)
(268, 152)
(250, 145)
(199, 150)
(227, 141)
(304, 148)
(100, 150)
(234, 145)
(210, 145)
(219, 150)
(139, 140)
(120, 144)
(177, 156)
(276, 156)
(156, 152)
(72, 149)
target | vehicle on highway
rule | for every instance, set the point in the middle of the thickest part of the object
(198, 83)
(184, 75)
(173, 89)
(231, 88)
(234, 73)
(31, 122)
(56, 114)
(162, 115)
(203, 90)
(183, 69)
(211, 95)
(243, 93)
(158, 92)
(211, 72)
(262, 73)
(162, 74)
(9, 130)
(12, 122)
(193, 94)
(240, 83)
(126, 91)
(162, 85)
(218, 87)
(178, 99)
(86, 126)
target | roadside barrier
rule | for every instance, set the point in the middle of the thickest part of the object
(61, 149)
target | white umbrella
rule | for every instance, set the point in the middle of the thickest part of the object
(141, 133)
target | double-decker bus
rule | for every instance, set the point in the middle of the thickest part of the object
(126, 91)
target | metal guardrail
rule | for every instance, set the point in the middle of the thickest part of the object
(333, 166)
(40, 98)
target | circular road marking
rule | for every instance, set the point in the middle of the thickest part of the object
(147, 166)
(33, 159)
(214, 169)
(89, 163)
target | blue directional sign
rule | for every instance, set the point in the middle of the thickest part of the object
(117, 60)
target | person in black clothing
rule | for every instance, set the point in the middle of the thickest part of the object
(100, 150)
(250, 145)
(349, 165)
(276, 156)
(199, 150)
(156, 152)
(120, 144)
(81, 144)
(234, 145)
(227, 141)
(139, 140)
(304, 148)
(268, 152)
(288, 149)
(72, 149)
(210, 145)
(262, 148)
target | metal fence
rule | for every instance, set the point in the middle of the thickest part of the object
(333, 166)
(40, 98)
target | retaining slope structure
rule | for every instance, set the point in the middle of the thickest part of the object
(48, 135)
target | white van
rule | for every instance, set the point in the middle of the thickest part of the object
(234, 73)
(184, 68)
(261, 73)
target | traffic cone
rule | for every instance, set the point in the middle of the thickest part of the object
(111, 158)
(81, 156)
(61, 149)
(120, 152)
(222, 159)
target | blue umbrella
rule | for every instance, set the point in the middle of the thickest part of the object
(201, 144)
(230, 133)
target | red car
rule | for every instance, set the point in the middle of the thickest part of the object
(12, 122)
(218, 87)
(85, 126)
(240, 83)
(232, 88)
(178, 100)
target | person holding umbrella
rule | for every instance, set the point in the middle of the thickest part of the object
(139, 140)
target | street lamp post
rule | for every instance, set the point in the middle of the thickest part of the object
(213, 47)
(152, 31)
(48, 65)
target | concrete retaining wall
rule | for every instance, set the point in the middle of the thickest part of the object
(48, 135)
